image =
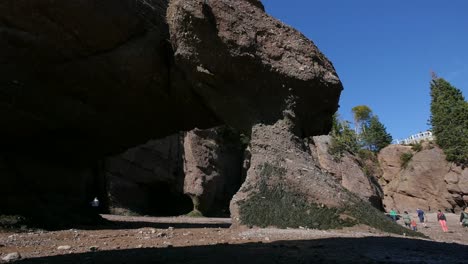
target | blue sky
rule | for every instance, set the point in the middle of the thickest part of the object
(384, 51)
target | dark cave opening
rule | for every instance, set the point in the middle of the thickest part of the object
(195, 173)
(164, 201)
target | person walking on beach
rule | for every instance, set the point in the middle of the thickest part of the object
(393, 215)
(464, 217)
(421, 216)
(406, 219)
(414, 225)
(442, 220)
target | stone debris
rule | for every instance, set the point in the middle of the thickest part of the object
(12, 257)
(161, 234)
(65, 247)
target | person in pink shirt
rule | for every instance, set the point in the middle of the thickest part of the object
(442, 221)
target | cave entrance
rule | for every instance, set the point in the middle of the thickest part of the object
(164, 201)
(196, 173)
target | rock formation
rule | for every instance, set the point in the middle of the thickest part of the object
(427, 181)
(348, 171)
(285, 187)
(248, 67)
(198, 170)
(149, 179)
(84, 80)
(213, 166)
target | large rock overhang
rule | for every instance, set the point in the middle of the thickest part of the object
(92, 76)
(85, 79)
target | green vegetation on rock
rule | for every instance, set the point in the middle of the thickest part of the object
(343, 139)
(405, 159)
(280, 206)
(195, 213)
(12, 221)
(417, 146)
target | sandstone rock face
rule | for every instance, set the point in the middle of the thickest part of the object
(286, 188)
(389, 160)
(347, 171)
(149, 179)
(427, 182)
(236, 46)
(212, 165)
(84, 80)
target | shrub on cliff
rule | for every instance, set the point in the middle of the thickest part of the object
(449, 120)
(417, 146)
(405, 159)
(343, 139)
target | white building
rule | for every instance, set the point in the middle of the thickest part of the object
(416, 138)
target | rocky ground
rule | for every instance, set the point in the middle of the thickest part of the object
(209, 240)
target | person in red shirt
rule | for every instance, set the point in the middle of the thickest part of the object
(414, 226)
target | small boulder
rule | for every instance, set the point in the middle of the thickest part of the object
(12, 257)
(66, 247)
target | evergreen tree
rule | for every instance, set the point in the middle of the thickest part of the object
(449, 120)
(375, 135)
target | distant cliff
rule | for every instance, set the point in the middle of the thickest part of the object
(426, 181)
(402, 177)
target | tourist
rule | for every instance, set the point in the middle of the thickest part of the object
(442, 220)
(414, 226)
(421, 216)
(393, 214)
(406, 219)
(95, 202)
(95, 205)
(464, 217)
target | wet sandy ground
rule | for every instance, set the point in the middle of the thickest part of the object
(210, 240)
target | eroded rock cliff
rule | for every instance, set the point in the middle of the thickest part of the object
(285, 187)
(426, 180)
(349, 171)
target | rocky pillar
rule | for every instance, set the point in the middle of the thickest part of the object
(212, 166)
(285, 188)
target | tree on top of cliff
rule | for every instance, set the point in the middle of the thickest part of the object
(375, 135)
(449, 120)
(372, 134)
(362, 115)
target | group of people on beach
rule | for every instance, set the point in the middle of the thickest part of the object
(411, 222)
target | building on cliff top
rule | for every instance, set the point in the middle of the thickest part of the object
(416, 138)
